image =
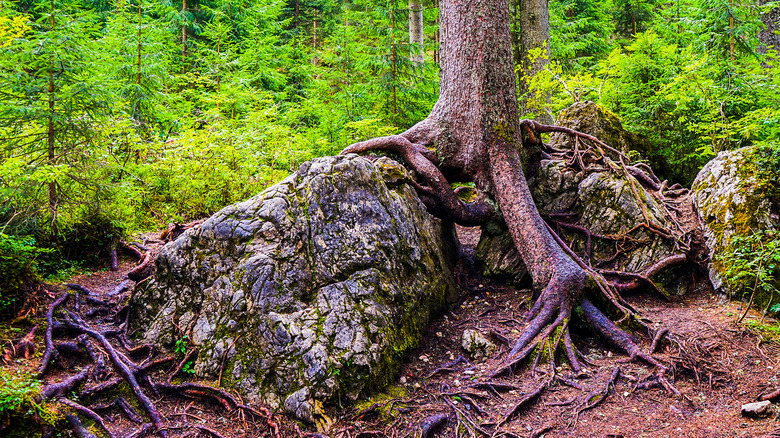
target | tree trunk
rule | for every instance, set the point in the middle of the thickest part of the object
(514, 24)
(416, 31)
(475, 130)
(477, 133)
(769, 37)
(184, 28)
(50, 132)
(534, 34)
(138, 47)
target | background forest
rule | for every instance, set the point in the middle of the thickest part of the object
(120, 116)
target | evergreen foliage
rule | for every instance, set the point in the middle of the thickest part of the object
(132, 114)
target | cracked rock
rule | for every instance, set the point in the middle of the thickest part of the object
(320, 284)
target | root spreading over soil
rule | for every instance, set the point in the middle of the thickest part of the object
(125, 390)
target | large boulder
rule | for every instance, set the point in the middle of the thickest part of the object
(606, 205)
(593, 119)
(605, 201)
(733, 198)
(311, 290)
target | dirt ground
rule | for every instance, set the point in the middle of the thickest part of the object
(716, 365)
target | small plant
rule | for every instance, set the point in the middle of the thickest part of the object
(18, 393)
(753, 265)
(180, 347)
(189, 367)
(18, 265)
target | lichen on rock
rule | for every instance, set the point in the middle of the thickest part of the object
(313, 289)
(731, 201)
(603, 200)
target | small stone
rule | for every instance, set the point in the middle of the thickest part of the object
(402, 380)
(757, 409)
(477, 345)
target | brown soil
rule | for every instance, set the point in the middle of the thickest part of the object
(716, 364)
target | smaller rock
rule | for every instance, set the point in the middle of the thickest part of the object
(757, 409)
(477, 345)
(299, 404)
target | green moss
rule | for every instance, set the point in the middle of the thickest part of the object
(382, 400)
(20, 405)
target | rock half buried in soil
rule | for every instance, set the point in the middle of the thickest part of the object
(311, 290)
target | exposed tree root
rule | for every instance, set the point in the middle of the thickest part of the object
(523, 402)
(568, 284)
(62, 388)
(78, 427)
(431, 424)
(772, 396)
(94, 345)
(594, 398)
(133, 249)
(124, 371)
(89, 413)
(21, 348)
(143, 270)
(423, 162)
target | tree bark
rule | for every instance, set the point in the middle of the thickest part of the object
(769, 37)
(416, 31)
(184, 28)
(476, 135)
(51, 132)
(476, 131)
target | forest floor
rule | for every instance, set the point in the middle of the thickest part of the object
(717, 365)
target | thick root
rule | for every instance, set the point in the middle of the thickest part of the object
(423, 162)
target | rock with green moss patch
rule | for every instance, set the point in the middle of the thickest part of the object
(609, 203)
(604, 203)
(731, 201)
(591, 118)
(312, 290)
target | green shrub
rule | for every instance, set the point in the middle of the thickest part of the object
(19, 259)
(19, 407)
(86, 242)
(753, 268)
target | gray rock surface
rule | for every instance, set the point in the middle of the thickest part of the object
(313, 289)
(477, 345)
(731, 201)
(757, 409)
(607, 202)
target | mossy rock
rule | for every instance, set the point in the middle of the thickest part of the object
(312, 291)
(605, 204)
(732, 201)
(591, 118)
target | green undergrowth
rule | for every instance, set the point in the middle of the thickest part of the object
(20, 407)
(770, 331)
(752, 269)
(19, 260)
(381, 401)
